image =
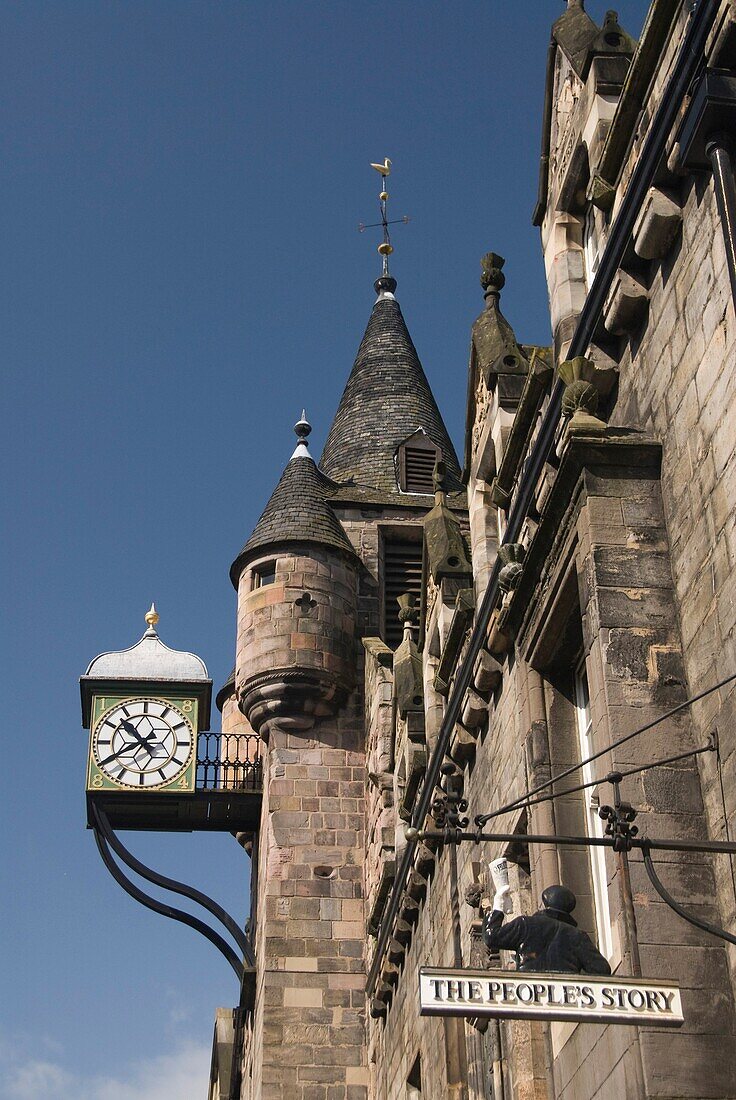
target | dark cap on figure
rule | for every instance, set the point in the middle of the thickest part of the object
(559, 899)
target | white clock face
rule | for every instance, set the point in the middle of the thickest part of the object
(143, 743)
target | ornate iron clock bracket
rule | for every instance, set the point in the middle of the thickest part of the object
(106, 839)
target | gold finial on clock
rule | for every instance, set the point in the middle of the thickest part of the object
(152, 615)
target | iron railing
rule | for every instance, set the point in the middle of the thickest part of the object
(229, 762)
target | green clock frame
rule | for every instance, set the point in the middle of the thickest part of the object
(183, 783)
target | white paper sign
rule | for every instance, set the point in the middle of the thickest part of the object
(505, 993)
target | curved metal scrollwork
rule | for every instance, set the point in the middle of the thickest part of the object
(105, 839)
(665, 895)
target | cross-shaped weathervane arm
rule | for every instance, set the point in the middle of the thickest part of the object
(385, 248)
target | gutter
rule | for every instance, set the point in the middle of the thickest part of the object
(690, 60)
(541, 207)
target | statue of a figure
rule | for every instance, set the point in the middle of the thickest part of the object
(549, 941)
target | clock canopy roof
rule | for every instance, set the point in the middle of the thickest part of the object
(148, 659)
(146, 663)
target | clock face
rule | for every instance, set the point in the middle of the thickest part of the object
(145, 744)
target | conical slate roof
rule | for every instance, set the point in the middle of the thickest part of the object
(387, 398)
(297, 512)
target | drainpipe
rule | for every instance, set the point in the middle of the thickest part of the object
(544, 813)
(718, 150)
(704, 141)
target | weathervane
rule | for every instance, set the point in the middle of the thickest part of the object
(385, 248)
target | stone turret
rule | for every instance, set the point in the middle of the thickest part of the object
(297, 579)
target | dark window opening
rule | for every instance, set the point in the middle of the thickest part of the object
(402, 572)
(517, 850)
(264, 574)
(414, 1081)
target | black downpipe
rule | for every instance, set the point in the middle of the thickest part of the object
(719, 150)
(539, 209)
(689, 61)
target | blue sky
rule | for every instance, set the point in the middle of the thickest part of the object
(181, 271)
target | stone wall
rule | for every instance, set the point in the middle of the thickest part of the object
(308, 1039)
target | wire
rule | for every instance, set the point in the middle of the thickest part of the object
(719, 769)
(482, 818)
(611, 777)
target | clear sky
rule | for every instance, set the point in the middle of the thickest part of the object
(180, 189)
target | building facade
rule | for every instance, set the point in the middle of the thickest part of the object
(411, 629)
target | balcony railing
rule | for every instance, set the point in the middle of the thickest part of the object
(229, 762)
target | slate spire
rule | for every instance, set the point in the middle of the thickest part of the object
(298, 510)
(386, 399)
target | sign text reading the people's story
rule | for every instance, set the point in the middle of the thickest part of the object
(550, 997)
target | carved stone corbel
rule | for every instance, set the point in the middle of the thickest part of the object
(657, 225)
(487, 673)
(626, 304)
(511, 555)
(585, 383)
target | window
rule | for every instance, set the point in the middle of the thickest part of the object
(416, 458)
(500, 524)
(593, 823)
(402, 572)
(264, 574)
(591, 245)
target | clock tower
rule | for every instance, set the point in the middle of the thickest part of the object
(145, 708)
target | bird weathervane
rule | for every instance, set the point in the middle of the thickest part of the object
(385, 248)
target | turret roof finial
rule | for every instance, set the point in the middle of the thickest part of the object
(152, 617)
(386, 284)
(302, 428)
(492, 278)
(408, 612)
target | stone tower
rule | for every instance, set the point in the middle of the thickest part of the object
(334, 547)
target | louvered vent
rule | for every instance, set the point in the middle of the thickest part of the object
(418, 467)
(402, 572)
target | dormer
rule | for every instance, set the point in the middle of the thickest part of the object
(415, 461)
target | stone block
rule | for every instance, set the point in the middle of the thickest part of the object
(487, 673)
(300, 997)
(656, 227)
(626, 304)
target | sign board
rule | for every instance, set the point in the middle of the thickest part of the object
(505, 993)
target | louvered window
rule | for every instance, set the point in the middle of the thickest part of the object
(402, 572)
(416, 464)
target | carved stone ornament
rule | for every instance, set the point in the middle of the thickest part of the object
(443, 539)
(482, 404)
(511, 555)
(579, 395)
(408, 683)
(585, 383)
(292, 699)
(496, 348)
(492, 278)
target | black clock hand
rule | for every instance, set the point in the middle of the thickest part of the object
(130, 728)
(113, 756)
(143, 743)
